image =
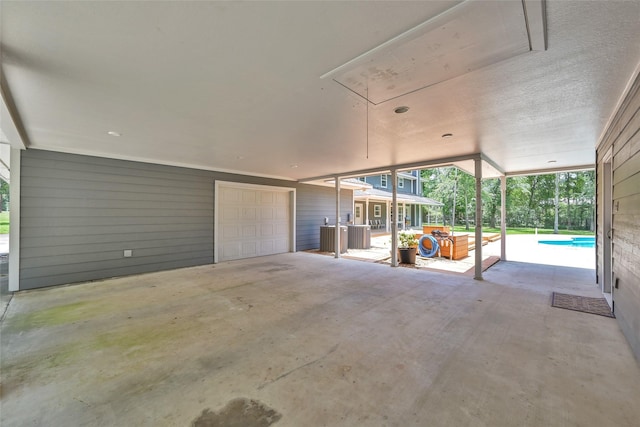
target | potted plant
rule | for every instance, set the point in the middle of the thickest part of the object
(407, 247)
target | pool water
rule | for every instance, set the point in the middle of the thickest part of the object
(576, 242)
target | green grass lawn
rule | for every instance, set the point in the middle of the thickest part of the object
(514, 230)
(4, 222)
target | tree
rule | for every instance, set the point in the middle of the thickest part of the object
(492, 197)
(556, 204)
(557, 200)
(441, 184)
(4, 195)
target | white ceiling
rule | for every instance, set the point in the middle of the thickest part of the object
(237, 85)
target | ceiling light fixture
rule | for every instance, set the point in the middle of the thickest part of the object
(114, 133)
(447, 135)
(552, 161)
(401, 110)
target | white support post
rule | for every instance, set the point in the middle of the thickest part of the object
(478, 260)
(387, 225)
(337, 237)
(394, 219)
(14, 232)
(366, 211)
(503, 218)
(404, 215)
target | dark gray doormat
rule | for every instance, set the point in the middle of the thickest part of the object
(597, 306)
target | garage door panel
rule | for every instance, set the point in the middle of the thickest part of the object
(231, 250)
(282, 199)
(249, 214)
(281, 229)
(266, 213)
(253, 222)
(267, 247)
(249, 230)
(230, 196)
(249, 249)
(267, 198)
(229, 214)
(249, 197)
(281, 245)
(282, 213)
(267, 230)
(229, 232)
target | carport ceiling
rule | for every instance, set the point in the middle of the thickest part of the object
(279, 88)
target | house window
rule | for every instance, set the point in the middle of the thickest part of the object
(383, 181)
(401, 183)
(377, 211)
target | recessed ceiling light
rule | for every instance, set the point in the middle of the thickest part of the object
(447, 135)
(114, 133)
(401, 110)
(551, 161)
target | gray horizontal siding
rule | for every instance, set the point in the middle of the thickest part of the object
(81, 239)
(623, 137)
(79, 213)
(376, 182)
(79, 275)
(313, 205)
(54, 183)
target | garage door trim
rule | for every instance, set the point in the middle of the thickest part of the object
(292, 210)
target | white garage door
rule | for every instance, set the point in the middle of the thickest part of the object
(252, 222)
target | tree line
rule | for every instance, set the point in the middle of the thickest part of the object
(562, 200)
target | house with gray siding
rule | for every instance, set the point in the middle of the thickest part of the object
(375, 203)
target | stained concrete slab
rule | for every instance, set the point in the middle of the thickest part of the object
(5, 295)
(316, 341)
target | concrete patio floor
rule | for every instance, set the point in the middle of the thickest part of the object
(313, 341)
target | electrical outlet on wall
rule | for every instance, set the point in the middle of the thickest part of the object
(128, 253)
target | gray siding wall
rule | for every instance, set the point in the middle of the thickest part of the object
(376, 182)
(624, 137)
(313, 205)
(383, 212)
(78, 214)
(407, 186)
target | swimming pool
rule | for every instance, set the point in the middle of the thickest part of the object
(576, 242)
